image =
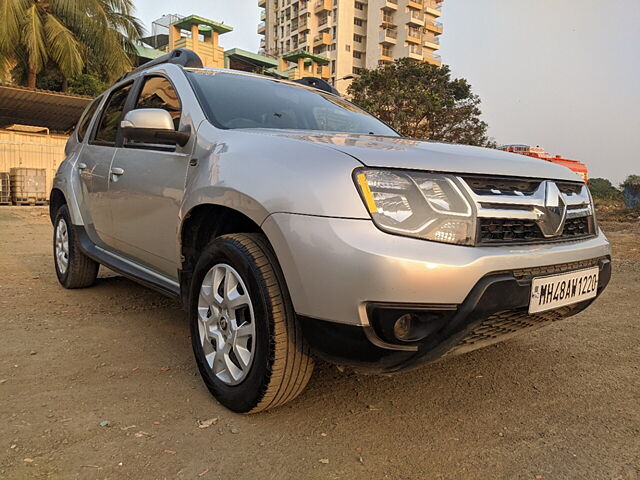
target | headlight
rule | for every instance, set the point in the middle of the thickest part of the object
(417, 204)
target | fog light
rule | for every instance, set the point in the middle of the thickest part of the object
(402, 327)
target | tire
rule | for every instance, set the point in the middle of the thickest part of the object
(73, 268)
(246, 372)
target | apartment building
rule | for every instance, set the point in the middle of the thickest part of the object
(352, 34)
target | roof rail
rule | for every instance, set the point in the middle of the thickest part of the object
(318, 83)
(181, 56)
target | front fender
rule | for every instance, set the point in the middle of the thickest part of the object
(259, 175)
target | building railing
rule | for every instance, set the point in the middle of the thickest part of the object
(432, 39)
(390, 32)
(415, 49)
(386, 18)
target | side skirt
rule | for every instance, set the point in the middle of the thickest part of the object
(125, 267)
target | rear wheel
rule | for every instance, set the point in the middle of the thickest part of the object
(73, 268)
(247, 343)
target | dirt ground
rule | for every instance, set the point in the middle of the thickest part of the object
(560, 403)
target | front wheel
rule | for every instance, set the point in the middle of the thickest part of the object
(248, 346)
(73, 268)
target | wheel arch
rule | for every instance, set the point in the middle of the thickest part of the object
(56, 200)
(202, 223)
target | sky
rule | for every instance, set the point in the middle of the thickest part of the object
(562, 74)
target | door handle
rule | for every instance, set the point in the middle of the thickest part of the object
(82, 166)
(117, 171)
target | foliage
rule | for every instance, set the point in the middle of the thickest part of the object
(632, 180)
(603, 189)
(421, 100)
(86, 84)
(71, 34)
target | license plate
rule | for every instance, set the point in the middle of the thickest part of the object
(557, 291)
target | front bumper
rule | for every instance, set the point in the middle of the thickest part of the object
(496, 309)
(334, 267)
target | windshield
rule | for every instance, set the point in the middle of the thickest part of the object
(243, 101)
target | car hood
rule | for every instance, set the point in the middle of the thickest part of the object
(398, 152)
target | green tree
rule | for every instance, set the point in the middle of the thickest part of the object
(70, 34)
(632, 180)
(87, 84)
(421, 100)
(603, 189)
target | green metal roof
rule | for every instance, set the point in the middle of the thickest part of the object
(295, 56)
(261, 60)
(277, 73)
(205, 25)
(143, 51)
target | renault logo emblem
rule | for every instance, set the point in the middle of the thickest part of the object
(551, 217)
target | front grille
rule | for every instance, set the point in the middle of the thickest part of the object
(507, 230)
(500, 231)
(501, 186)
(527, 274)
(512, 210)
(577, 227)
(506, 324)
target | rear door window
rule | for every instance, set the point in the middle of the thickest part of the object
(86, 119)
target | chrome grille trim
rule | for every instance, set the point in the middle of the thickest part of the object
(525, 199)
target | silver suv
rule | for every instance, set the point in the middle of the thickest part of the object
(293, 225)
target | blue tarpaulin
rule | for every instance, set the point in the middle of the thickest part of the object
(631, 196)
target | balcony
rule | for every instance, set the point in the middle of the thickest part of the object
(323, 6)
(262, 3)
(414, 36)
(434, 8)
(431, 41)
(416, 18)
(434, 26)
(386, 55)
(303, 24)
(322, 39)
(303, 6)
(323, 21)
(388, 36)
(391, 5)
(417, 4)
(263, 15)
(387, 20)
(415, 52)
(433, 59)
(262, 27)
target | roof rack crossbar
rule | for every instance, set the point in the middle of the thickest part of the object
(181, 56)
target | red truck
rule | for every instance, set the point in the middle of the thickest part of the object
(538, 152)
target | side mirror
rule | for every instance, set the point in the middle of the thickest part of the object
(152, 125)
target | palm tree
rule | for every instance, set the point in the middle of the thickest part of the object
(72, 34)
